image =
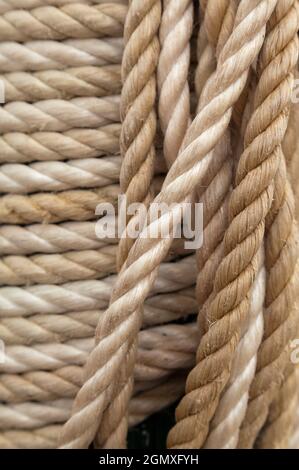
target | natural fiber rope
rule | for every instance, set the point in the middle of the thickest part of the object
(77, 205)
(59, 176)
(62, 84)
(50, 238)
(173, 69)
(142, 405)
(59, 115)
(226, 314)
(280, 244)
(70, 21)
(138, 117)
(245, 42)
(47, 146)
(224, 429)
(46, 55)
(8, 5)
(88, 295)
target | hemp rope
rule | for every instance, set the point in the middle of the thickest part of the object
(62, 84)
(173, 69)
(88, 295)
(142, 405)
(70, 21)
(218, 23)
(77, 205)
(138, 132)
(46, 55)
(220, 373)
(8, 5)
(41, 328)
(59, 176)
(280, 243)
(59, 115)
(46, 146)
(224, 428)
(245, 43)
(50, 238)
(174, 59)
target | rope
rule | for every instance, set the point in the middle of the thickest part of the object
(70, 21)
(187, 171)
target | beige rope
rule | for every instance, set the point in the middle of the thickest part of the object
(138, 117)
(59, 176)
(161, 350)
(88, 295)
(47, 55)
(47, 146)
(62, 84)
(226, 316)
(174, 96)
(8, 5)
(281, 239)
(41, 328)
(50, 238)
(142, 405)
(59, 115)
(224, 429)
(188, 169)
(76, 205)
(70, 21)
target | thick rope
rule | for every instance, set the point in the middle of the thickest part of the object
(138, 118)
(187, 172)
(46, 146)
(225, 426)
(70, 21)
(280, 318)
(88, 295)
(46, 55)
(173, 69)
(227, 313)
(62, 84)
(59, 176)
(59, 115)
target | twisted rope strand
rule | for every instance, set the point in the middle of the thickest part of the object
(59, 176)
(46, 55)
(281, 46)
(88, 295)
(55, 207)
(49, 238)
(47, 146)
(42, 328)
(62, 84)
(173, 68)
(138, 117)
(70, 21)
(186, 173)
(8, 5)
(59, 115)
(224, 429)
(161, 350)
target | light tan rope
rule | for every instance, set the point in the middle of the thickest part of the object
(77, 205)
(138, 117)
(59, 176)
(174, 61)
(188, 169)
(59, 115)
(70, 21)
(46, 146)
(62, 84)
(280, 243)
(47, 55)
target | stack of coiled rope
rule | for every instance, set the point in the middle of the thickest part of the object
(103, 97)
